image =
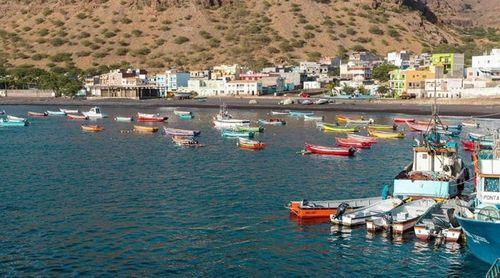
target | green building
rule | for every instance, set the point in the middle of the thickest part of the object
(452, 63)
(397, 81)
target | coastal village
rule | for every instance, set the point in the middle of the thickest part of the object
(409, 76)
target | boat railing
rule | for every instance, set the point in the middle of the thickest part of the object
(494, 270)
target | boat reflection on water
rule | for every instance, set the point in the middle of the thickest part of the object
(308, 221)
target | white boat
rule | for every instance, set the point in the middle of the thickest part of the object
(313, 118)
(180, 132)
(180, 113)
(69, 111)
(321, 101)
(15, 119)
(286, 112)
(359, 216)
(402, 218)
(470, 123)
(223, 120)
(2, 112)
(95, 113)
(55, 113)
(124, 119)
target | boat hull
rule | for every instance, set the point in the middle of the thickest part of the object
(321, 150)
(145, 129)
(482, 238)
(37, 114)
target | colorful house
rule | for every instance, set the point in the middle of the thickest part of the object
(410, 81)
(452, 63)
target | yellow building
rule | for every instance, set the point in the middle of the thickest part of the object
(410, 81)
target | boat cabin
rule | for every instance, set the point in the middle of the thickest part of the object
(487, 167)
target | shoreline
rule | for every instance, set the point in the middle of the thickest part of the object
(409, 107)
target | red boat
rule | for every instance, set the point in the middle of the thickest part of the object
(346, 142)
(77, 117)
(404, 120)
(315, 149)
(37, 114)
(150, 118)
(417, 127)
(468, 145)
(361, 138)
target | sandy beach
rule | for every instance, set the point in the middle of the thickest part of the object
(448, 107)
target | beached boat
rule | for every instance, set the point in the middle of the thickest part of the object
(324, 150)
(383, 127)
(300, 113)
(124, 119)
(401, 218)
(250, 128)
(95, 113)
(286, 112)
(180, 132)
(359, 216)
(470, 123)
(186, 141)
(55, 113)
(346, 142)
(92, 128)
(272, 122)
(313, 118)
(15, 119)
(361, 138)
(404, 120)
(235, 134)
(336, 128)
(70, 111)
(439, 221)
(250, 144)
(142, 117)
(145, 129)
(323, 209)
(37, 114)
(385, 134)
(77, 117)
(7, 123)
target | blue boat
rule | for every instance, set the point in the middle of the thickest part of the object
(7, 123)
(480, 137)
(186, 116)
(236, 134)
(481, 222)
(300, 113)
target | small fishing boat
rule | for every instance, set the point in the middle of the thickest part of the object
(470, 123)
(70, 111)
(274, 121)
(359, 216)
(385, 134)
(92, 128)
(186, 117)
(346, 142)
(480, 137)
(361, 138)
(141, 117)
(7, 123)
(418, 127)
(401, 218)
(179, 112)
(224, 120)
(145, 129)
(359, 122)
(313, 118)
(180, 132)
(404, 120)
(124, 119)
(77, 117)
(285, 112)
(323, 209)
(186, 141)
(300, 113)
(250, 144)
(15, 119)
(358, 119)
(324, 150)
(439, 221)
(55, 113)
(37, 114)
(383, 127)
(335, 128)
(95, 113)
(2, 112)
(250, 128)
(236, 134)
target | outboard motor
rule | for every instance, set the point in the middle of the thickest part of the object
(341, 210)
(388, 219)
(305, 203)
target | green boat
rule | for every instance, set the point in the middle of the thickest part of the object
(250, 128)
(186, 116)
(235, 134)
(7, 123)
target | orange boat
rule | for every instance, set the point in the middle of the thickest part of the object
(323, 209)
(250, 144)
(149, 129)
(77, 117)
(92, 128)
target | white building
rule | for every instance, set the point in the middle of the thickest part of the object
(443, 87)
(313, 68)
(487, 66)
(399, 59)
(226, 72)
(311, 85)
(243, 87)
(206, 88)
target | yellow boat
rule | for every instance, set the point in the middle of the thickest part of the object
(149, 129)
(385, 134)
(383, 127)
(92, 128)
(344, 119)
(334, 128)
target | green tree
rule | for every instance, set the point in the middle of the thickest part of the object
(348, 90)
(381, 72)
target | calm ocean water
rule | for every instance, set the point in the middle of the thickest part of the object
(122, 203)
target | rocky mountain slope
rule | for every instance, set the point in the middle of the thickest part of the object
(201, 33)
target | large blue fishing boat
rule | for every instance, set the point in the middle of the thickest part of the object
(481, 223)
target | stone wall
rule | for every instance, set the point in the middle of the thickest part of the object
(34, 93)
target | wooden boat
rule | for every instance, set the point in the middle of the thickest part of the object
(236, 134)
(323, 150)
(404, 120)
(345, 119)
(250, 144)
(70, 111)
(361, 138)
(470, 123)
(359, 216)
(179, 112)
(313, 118)
(15, 119)
(286, 112)
(300, 113)
(180, 132)
(7, 123)
(77, 117)
(2, 112)
(418, 127)
(124, 119)
(346, 142)
(92, 128)
(401, 218)
(229, 123)
(323, 209)
(55, 113)
(274, 121)
(186, 141)
(385, 135)
(37, 114)
(141, 117)
(439, 221)
(145, 129)
(250, 128)
(335, 128)
(95, 113)
(186, 117)
(383, 127)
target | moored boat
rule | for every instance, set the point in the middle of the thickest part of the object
(95, 113)
(124, 119)
(418, 127)
(250, 144)
(313, 118)
(286, 112)
(471, 145)
(180, 112)
(404, 120)
(224, 120)
(145, 129)
(235, 134)
(77, 117)
(359, 216)
(361, 138)
(180, 132)
(346, 142)
(7, 123)
(324, 150)
(336, 128)
(186, 141)
(385, 134)
(142, 117)
(15, 119)
(92, 128)
(470, 123)
(274, 121)
(323, 209)
(37, 114)
(2, 112)
(383, 127)
(55, 113)
(480, 137)
(255, 129)
(70, 111)
(300, 113)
